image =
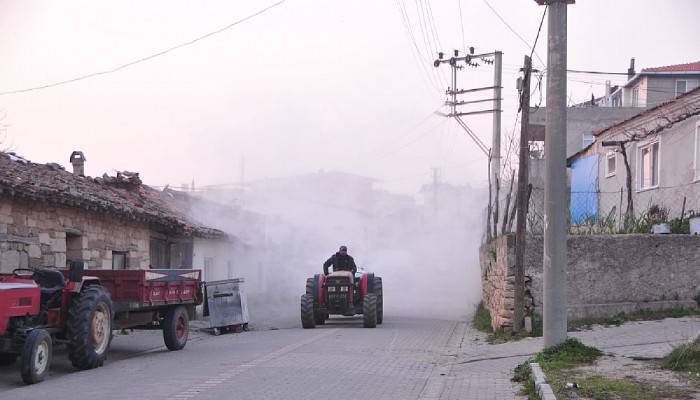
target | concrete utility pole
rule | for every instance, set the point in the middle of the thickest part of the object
(493, 154)
(554, 289)
(522, 200)
(496, 143)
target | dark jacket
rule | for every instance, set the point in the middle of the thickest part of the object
(340, 263)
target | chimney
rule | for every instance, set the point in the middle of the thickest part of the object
(77, 158)
(630, 72)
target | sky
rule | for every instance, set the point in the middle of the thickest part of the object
(306, 86)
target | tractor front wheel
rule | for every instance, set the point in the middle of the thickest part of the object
(89, 327)
(369, 310)
(380, 299)
(176, 327)
(36, 356)
(308, 319)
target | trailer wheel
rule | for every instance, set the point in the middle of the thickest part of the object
(307, 312)
(369, 310)
(8, 358)
(176, 328)
(380, 299)
(89, 327)
(36, 356)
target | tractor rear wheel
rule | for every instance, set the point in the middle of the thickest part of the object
(310, 286)
(380, 299)
(89, 327)
(369, 310)
(8, 358)
(176, 328)
(307, 312)
(36, 356)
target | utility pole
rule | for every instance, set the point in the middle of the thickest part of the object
(554, 264)
(436, 181)
(496, 141)
(493, 154)
(522, 200)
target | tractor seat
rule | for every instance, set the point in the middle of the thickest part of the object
(50, 281)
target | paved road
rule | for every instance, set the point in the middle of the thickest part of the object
(406, 358)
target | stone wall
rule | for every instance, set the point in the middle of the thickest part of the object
(606, 274)
(39, 234)
(497, 260)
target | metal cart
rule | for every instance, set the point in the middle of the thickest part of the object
(226, 306)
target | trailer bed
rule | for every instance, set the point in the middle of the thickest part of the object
(142, 290)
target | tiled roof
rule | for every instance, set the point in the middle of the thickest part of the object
(683, 107)
(123, 196)
(689, 67)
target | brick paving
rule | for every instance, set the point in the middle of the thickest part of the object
(403, 359)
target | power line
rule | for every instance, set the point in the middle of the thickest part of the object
(576, 71)
(433, 24)
(461, 25)
(538, 31)
(147, 58)
(513, 30)
(428, 78)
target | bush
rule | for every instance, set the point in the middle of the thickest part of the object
(482, 319)
(567, 355)
(684, 358)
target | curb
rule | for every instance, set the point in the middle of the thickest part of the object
(543, 389)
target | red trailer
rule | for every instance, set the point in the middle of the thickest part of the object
(154, 299)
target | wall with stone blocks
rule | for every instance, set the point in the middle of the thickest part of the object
(497, 260)
(35, 234)
(606, 274)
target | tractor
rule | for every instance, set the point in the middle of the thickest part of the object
(342, 293)
(40, 308)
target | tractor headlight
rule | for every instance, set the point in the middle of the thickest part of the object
(343, 288)
(331, 288)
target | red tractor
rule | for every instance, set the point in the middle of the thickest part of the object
(342, 293)
(39, 308)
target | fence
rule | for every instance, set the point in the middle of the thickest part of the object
(596, 212)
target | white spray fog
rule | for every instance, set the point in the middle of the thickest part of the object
(425, 247)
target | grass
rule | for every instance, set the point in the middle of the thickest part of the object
(523, 374)
(685, 358)
(569, 354)
(482, 322)
(482, 319)
(600, 388)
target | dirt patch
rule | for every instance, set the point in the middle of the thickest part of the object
(645, 380)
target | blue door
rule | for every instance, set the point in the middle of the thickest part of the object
(584, 189)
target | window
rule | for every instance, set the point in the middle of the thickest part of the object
(697, 152)
(119, 260)
(685, 85)
(587, 140)
(649, 166)
(635, 97)
(610, 164)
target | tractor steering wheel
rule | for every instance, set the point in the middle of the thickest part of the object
(17, 272)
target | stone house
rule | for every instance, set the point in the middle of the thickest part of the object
(49, 216)
(662, 146)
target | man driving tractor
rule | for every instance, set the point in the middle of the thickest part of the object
(341, 261)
